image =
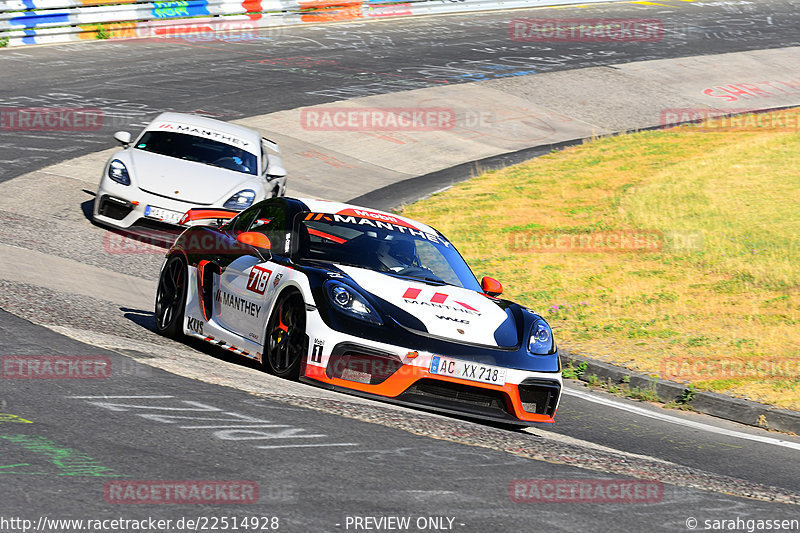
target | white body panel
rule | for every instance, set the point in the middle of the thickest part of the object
(319, 333)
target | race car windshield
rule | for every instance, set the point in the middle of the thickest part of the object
(199, 150)
(386, 246)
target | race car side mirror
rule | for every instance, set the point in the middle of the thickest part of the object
(257, 240)
(254, 239)
(123, 137)
(275, 167)
(491, 286)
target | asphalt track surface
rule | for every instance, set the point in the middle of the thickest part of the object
(330, 456)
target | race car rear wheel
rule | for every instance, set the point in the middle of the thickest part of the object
(171, 297)
(286, 339)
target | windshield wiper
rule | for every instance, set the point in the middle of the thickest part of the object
(437, 281)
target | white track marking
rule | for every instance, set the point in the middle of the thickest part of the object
(680, 421)
(307, 445)
(117, 397)
(236, 427)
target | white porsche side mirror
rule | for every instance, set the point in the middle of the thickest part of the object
(123, 137)
(275, 167)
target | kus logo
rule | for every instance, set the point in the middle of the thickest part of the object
(437, 301)
(195, 324)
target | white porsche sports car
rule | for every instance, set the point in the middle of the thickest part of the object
(361, 301)
(182, 161)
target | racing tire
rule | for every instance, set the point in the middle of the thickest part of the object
(171, 297)
(286, 341)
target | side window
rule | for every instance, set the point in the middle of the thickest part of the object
(272, 221)
(243, 221)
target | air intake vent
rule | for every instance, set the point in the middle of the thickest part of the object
(457, 393)
(114, 207)
(539, 396)
(361, 364)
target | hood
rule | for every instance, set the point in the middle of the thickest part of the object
(445, 311)
(195, 183)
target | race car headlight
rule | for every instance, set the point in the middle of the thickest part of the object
(350, 302)
(540, 341)
(241, 200)
(118, 172)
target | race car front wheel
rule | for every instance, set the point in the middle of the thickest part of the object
(287, 342)
(171, 297)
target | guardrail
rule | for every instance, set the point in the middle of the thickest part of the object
(56, 21)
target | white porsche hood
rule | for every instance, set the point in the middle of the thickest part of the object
(188, 181)
(446, 311)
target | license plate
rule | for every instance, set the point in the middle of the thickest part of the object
(455, 368)
(165, 215)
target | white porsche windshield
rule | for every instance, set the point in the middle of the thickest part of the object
(199, 150)
(383, 246)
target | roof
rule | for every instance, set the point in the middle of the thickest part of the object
(340, 208)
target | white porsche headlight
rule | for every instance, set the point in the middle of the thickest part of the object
(118, 172)
(241, 200)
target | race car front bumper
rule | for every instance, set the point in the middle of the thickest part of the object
(355, 365)
(122, 206)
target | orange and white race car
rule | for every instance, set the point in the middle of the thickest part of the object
(362, 301)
